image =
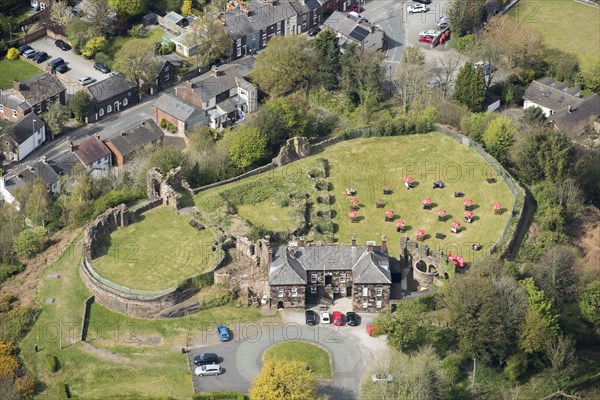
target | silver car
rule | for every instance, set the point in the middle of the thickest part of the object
(86, 80)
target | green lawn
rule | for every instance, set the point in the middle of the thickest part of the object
(157, 252)
(116, 43)
(566, 25)
(308, 353)
(359, 164)
(268, 214)
(15, 69)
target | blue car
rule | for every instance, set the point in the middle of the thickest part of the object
(223, 333)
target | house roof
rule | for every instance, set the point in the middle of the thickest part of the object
(552, 95)
(367, 266)
(160, 65)
(91, 150)
(207, 85)
(173, 17)
(12, 99)
(359, 32)
(111, 86)
(64, 163)
(37, 170)
(24, 128)
(175, 107)
(40, 87)
(586, 111)
(136, 136)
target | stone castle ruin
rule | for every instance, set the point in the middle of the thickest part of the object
(427, 266)
(167, 187)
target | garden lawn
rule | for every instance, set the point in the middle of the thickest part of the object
(133, 357)
(154, 35)
(157, 252)
(11, 70)
(566, 25)
(268, 214)
(303, 352)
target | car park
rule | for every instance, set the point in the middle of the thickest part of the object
(86, 80)
(101, 67)
(61, 44)
(386, 378)
(223, 333)
(311, 317)
(338, 319)
(24, 48)
(210, 369)
(325, 318)
(352, 318)
(314, 31)
(62, 68)
(417, 8)
(40, 57)
(206, 358)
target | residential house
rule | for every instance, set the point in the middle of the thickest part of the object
(92, 153)
(301, 275)
(111, 96)
(580, 119)
(173, 22)
(185, 44)
(551, 96)
(20, 139)
(39, 5)
(124, 145)
(350, 29)
(166, 76)
(32, 95)
(179, 113)
(40, 170)
(222, 93)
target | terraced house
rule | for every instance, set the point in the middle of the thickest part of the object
(35, 94)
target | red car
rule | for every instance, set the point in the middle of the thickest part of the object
(357, 9)
(337, 318)
(425, 39)
(371, 329)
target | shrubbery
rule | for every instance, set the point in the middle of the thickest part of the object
(168, 126)
(8, 270)
(220, 396)
(13, 54)
(30, 242)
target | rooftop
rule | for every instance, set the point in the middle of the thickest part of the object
(136, 136)
(552, 95)
(24, 128)
(175, 107)
(208, 85)
(40, 87)
(91, 150)
(355, 30)
(111, 86)
(586, 111)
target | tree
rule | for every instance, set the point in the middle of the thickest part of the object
(499, 137)
(247, 145)
(466, 15)
(537, 299)
(80, 105)
(475, 125)
(590, 69)
(327, 50)
(60, 14)
(168, 157)
(292, 112)
(94, 45)
(350, 72)
(99, 14)
(30, 242)
(406, 328)
(555, 274)
(284, 380)
(534, 116)
(80, 32)
(589, 303)
(534, 333)
(129, 7)
(56, 118)
(282, 66)
(209, 35)
(470, 87)
(186, 8)
(136, 59)
(444, 69)
(561, 354)
(12, 53)
(413, 55)
(34, 200)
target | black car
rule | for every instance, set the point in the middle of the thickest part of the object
(423, 1)
(352, 318)
(62, 68)
(40, 57)
(311, 317)
(101, 67)
(24, 48)
(206, 358)
(32, 54)
(314, 31)
(61, 44)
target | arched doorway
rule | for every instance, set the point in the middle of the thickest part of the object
(280, 305)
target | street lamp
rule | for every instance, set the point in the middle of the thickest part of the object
(391, 81)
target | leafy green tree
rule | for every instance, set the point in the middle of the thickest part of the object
(56, 118)
(535, 332)
(587, 171)
(534, 116)
(537, 299)
(284, 380)
(475, 125)
(80, 105)
(79, 32)
(350, 72)
(292, 113)
(589, 303)
(327, 50)
(138, 31)
(469, 88)
(247, 145)
(186, 8)
(137, 60)
(168, 157)
(466, 15)
(129, 7)
(516, 366)
(94, 45)
(590, 69)
(209, 35)
(499, 137)
(30, 242)
(282, 66)
(35, 201)
(406, 328)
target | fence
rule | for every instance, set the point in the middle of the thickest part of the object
(253, 172)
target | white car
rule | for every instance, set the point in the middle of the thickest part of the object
(382, 378)
(325, 317)
(418, 8)
(209, 369)
(443, 23)
(86, 80)
(430, 32)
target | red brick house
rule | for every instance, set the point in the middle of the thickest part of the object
(124, 145)
(35, 94)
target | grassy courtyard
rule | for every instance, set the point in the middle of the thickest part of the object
(562, 22)
(15, 69)
(154, 35)
(308, 353)
(157, 252)
(359, 164)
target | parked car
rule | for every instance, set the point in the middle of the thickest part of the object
(357, 9)
(24, 48)
(61, 44)
(40, 57)
(371, 329)
(485, 67)
(62, 68)
(387, 378)
(30, 53)
(206, 358)
(423, 1)
(314, 31)
(311, 317)
(223, 333)
(86, 80)
(417, 8)
(101, 67)
(352, 318)
(56, 62)
(430, 32)
(325, 318)
(426, 39)
(211, 369)
(338, 319)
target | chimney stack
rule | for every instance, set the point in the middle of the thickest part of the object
(384, 244)
(569, 108)
(301, 242)
(97, 135)
(370, 246)
(353, 241)
(270, 258)
(214, 71)
(188, 84)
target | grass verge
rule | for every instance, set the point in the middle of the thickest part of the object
(313, 355)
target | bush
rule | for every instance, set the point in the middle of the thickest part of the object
(115, 197)
(138, 31)
(8, 270)
(94, 45)
(223, 297)
(462, 44)
(13, 54)
(258, 232)
(168, 126)
(452, 368)
(30, 242)
(51, 363)
(219, 396)
(516, 366)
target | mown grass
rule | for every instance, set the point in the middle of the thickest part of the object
(307, 353)
(116, 43)
(157, 252)
(11, 70)
(268, 214)
(568, 26)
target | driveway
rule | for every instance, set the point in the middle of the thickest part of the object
(78, 66)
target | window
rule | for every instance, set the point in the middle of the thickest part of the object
(379, 291)
(336, 289)
(365, 304)
(1, 108)
(15, 113)
(378, 304)
(39, 141)
(57, 97)
(313, 289)
(39, 108)
(365, 291)
(108, 109)
(313, 278)
(343, 277)
(167, 77)
(101, 112)
(125, 102)
(47, 103)
(294, 292)
(279, 292)
(166, 68)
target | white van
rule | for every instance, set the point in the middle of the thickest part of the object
(210, 369)
(354, 14)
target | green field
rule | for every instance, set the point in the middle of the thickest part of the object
(268, 214)
(11, 70)
(157, 252)
(116, 43)
(360, 164)
(313, 355)
(566, 25)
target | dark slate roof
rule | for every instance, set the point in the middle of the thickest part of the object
(40, 87)
(174, 59)
(367, 267)
(38, 170)
(207, 86)
(175, 107)
(111, 86)
(137, 136)
(312, 4)
(23, 129)
(546, 94)
(64, 163)
(11, 99)
(350, 28)
(175, 141)
(585, 112)
(161, 64)
(91, 150)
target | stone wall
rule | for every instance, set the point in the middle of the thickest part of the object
(166, 187)
(371, 298)
(101, 226)
(146, 206)
(293, 149)
(426, 265)
(288, 300)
